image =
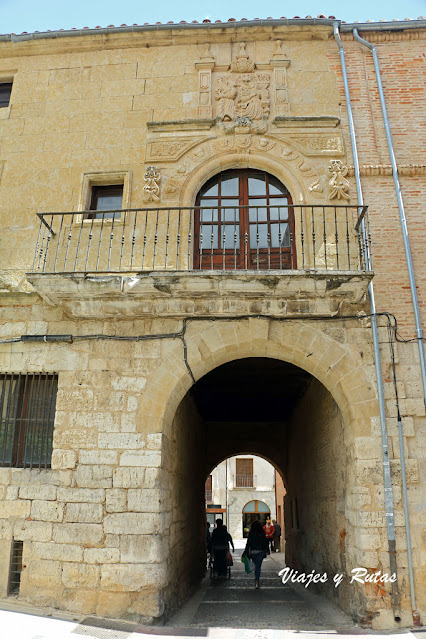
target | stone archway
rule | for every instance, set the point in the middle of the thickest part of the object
(340, 384)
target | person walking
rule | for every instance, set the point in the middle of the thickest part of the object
(277, 536)
(269, 532)
(257, 547)
(219, 546)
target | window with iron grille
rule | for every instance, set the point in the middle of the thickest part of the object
(27, 413)
(15, 567)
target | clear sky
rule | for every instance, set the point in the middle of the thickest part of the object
(17, 16)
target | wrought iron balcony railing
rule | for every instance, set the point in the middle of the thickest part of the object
(197, 238)
(245, 481)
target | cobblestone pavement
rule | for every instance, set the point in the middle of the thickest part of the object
(234, 602)
(220, 609)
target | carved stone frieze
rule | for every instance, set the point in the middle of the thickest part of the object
(151, 189)
(237, 144)
(338, 185)
(320, 145)
(169, 150)
(244, 95)
(386, 169)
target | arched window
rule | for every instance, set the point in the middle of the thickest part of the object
(244, 220)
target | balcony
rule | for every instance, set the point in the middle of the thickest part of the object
(244, 481)
(210, 260)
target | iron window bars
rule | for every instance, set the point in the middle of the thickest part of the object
(27, 414)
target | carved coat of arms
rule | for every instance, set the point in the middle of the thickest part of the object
(245, 95)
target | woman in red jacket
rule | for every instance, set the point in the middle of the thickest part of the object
(269, 533)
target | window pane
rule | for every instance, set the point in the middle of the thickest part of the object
(257, 184)
(258, 236)
(258, 214)
(278, 213)
(209, 215)
(275, 186)
(208, 237)
(106, 198)
(213, 190)
(230, 185)
(5, 91)
(232, 236)
(280, 235)
(230, 210)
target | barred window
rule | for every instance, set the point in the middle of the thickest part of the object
(27, 412)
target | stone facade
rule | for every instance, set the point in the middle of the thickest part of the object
(116, 526)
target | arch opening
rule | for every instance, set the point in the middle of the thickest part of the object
(274, 409)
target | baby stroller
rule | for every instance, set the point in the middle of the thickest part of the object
(220, 562)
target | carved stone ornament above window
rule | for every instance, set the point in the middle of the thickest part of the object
(242, 63)
(242, 124)
(338, 185)
(246, 95)
(151, 190)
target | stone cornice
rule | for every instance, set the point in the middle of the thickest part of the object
(182, 125)
(306, 121)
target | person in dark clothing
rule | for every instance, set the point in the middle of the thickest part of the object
(277, 536)
(208, 534)
(219, 546)
(257, 547)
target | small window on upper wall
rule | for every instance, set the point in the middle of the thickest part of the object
(5, 91)
(107, 198)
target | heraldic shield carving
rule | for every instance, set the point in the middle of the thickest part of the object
(243, 95)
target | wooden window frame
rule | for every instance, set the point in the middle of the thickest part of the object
(256, 258)
(102, 178)
(242, 476)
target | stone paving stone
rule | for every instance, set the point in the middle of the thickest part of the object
(266, 615)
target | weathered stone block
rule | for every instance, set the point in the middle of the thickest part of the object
(121, 441)
(102, 555)
(153, 477)
(93, 495)
(83, 513)
(132, 523)
(142, 458)
(132, 577)
(142, 549)
(54, 551)
(20, 508)
(103, 457)
(38, 491)
(85, 534)
(47, 510)
(94, 476)
(145, 500)
(129, 384)
(116, 500)
(32, 531)
(80, 575)
(128, 477)
(11, 492)
(44, 573)
(63, 459)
